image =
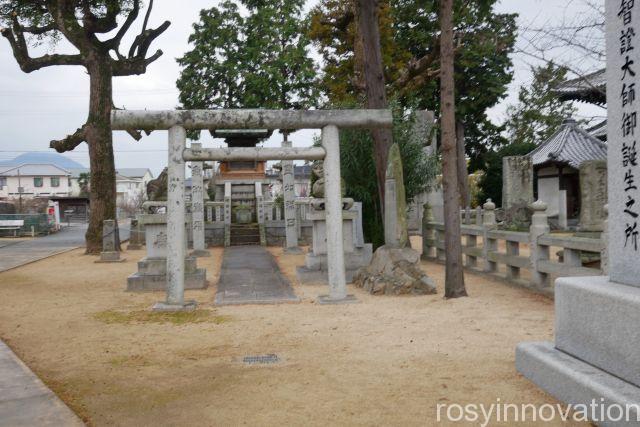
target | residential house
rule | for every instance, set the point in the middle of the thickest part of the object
(131, 184)
(34, 181)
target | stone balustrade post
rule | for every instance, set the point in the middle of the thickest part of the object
(479, 216)
(489, 244)
(428, 234)
(539, 226)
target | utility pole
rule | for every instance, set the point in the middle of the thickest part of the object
(19, 192)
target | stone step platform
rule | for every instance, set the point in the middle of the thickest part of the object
(244, 229)
(158, 282)
(159, 265)
(316, 266)
(245, 240)
(152, 275)
(595, 355)
(576, 382)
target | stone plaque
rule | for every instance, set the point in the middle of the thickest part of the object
(593, 194)
(517, 181)
(623, 73)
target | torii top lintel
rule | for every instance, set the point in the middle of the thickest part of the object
(249, 119)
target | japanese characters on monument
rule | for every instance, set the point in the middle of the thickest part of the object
(288, 188)
(623, 65)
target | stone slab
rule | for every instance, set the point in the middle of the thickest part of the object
(575, 382)
(306, 275)
(25, 400)
(250, 275)
(200, 253)
(355, 259)
(166, 307)
(598, 321)
(327, 300)
(158, 282)
(113, 256)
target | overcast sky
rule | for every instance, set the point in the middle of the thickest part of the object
(51, 103)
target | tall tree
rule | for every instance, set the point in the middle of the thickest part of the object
(410, 43)
(79, 22)
(374, 84)
(258, 60)
(539, 112)
(454, 274)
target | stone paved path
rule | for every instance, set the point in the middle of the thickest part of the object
(16, 253)
(25, 400)
(250, 275)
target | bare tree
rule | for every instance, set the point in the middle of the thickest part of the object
(454, 274)
(575, 40)
(80, 22)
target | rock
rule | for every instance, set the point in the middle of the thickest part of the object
(394, 271)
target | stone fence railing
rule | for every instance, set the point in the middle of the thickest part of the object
(523, 258)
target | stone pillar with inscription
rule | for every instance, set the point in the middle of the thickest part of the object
(289, 193)
(593, 195)
(197, 207)
(595, 355)
(110, 253)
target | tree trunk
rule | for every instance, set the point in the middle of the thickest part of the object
(454, 275)
(375, 90)
(463, 174)
(100, 141)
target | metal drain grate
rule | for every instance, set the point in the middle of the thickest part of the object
(261, 360)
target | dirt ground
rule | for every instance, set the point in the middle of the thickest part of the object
(384, 361)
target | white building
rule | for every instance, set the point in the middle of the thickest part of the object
(131, 184)
(34, 180)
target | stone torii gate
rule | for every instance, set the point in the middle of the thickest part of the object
(178, 122)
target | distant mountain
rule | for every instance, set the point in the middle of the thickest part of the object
(53, 158)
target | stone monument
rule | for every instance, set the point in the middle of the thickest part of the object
(593, 194)
(517, 181)
(135, 236)
(152, 270)
(595, 357)
(289, 194)
(395, 204)
(110, 252)
(395, 267)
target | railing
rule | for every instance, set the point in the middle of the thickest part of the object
(214, 211)
(504, 254)
(273, 211)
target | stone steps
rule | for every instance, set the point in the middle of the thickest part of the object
(245, 234)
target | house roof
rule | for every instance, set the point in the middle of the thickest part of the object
(34, 170)
(132, 172)
(75, 172)
(591, 88)
(599, 130)
(571, 145)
